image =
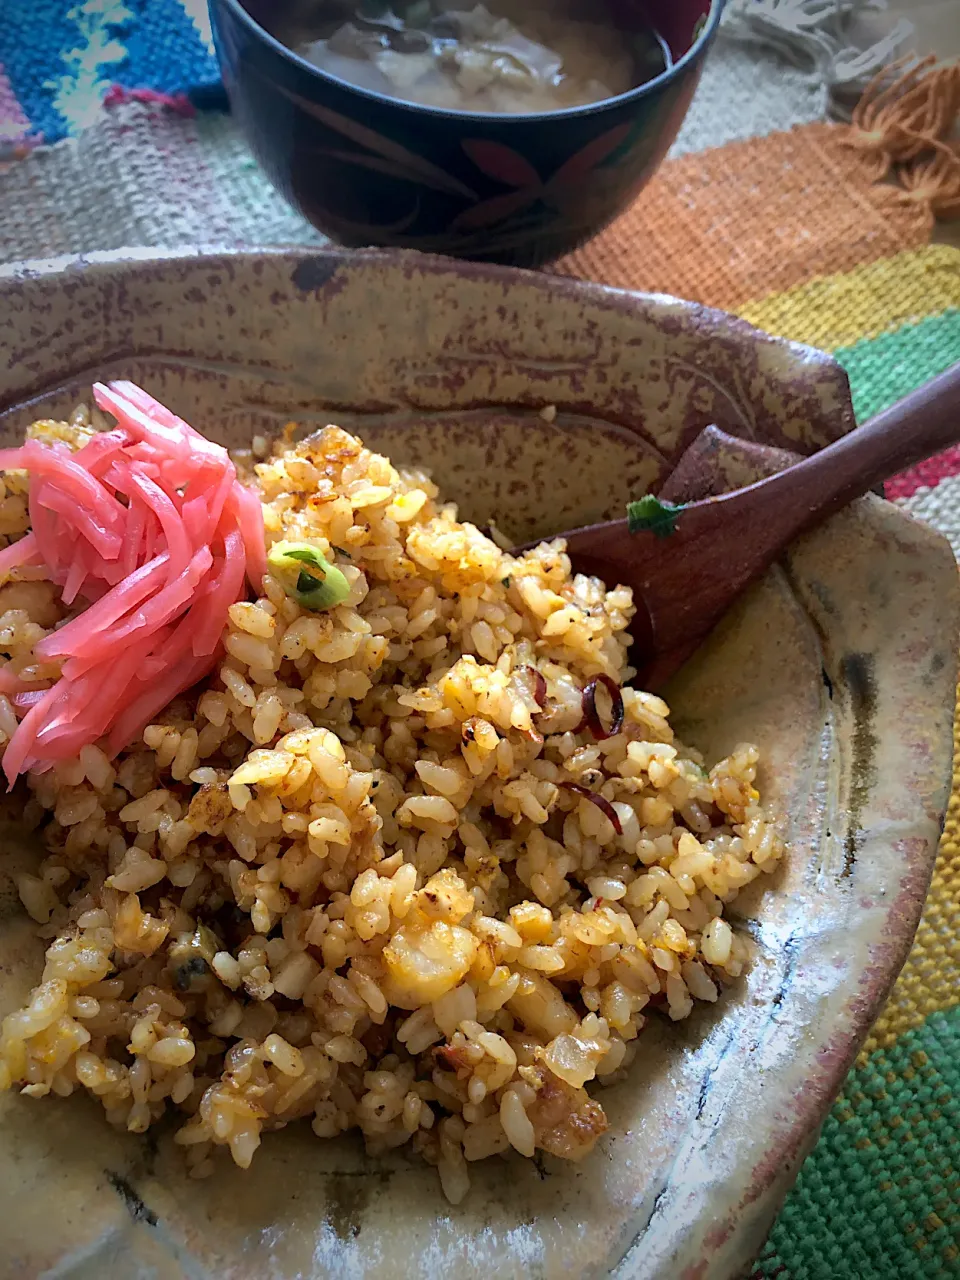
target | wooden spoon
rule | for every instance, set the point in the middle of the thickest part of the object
(704, 553)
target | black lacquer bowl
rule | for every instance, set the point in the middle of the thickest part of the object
(371, 170)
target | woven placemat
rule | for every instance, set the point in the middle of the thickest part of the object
(784, 226)
(160, 174)
(792, 233)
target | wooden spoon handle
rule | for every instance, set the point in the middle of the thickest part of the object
(924, 423)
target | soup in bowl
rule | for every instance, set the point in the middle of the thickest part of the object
(495, 130)
(510, 57)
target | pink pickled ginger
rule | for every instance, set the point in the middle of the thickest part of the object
(149, 527)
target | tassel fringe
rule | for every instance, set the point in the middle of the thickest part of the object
(817, 35)
(903, 124)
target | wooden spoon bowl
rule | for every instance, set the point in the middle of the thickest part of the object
(689, 553)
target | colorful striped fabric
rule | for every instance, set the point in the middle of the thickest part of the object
(880, 1195)
(846, 266)
(59, 60)
(786, 230)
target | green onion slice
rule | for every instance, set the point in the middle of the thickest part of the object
(307, 576)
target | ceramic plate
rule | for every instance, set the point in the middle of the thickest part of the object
(840, 664)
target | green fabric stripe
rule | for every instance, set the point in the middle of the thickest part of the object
(883, 370)
(879, 1198)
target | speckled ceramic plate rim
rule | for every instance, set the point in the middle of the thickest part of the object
(726, 1227)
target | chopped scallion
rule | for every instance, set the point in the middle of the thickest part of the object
(307, 576)
(650, 514)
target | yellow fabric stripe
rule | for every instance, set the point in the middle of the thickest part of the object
(840, 310)
(927, 982)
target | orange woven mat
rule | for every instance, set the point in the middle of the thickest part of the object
(754, 218)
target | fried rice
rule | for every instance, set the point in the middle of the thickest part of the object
(377, 873)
